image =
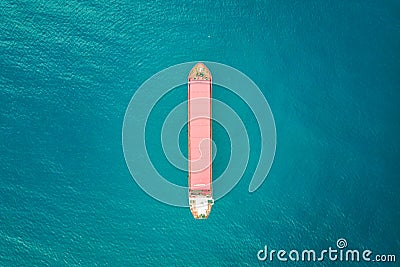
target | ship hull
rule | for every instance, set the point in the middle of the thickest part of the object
(199, 141)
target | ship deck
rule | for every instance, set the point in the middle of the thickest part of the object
(200, 135)
(200, 144)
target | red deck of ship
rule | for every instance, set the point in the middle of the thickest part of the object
(200, 172)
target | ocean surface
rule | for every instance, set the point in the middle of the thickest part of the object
(330, 71)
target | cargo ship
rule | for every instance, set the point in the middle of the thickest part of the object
(199, 141)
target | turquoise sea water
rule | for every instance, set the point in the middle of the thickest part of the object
(68, 69)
